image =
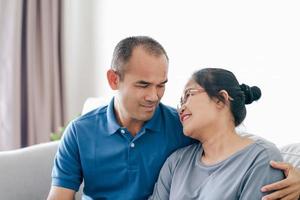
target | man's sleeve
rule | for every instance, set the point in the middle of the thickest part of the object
(259, 175)
(67, 171)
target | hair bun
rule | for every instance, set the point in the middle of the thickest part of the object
(251, 93)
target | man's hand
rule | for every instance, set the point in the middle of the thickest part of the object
(287, 189)
(59, 193)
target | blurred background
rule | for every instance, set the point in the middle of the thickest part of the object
(54, 55)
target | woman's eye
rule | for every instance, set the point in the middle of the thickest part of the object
(187, 95)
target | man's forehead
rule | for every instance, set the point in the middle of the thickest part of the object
(151, 76)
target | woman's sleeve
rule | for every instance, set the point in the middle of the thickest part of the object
(260, 174)
(162, 187)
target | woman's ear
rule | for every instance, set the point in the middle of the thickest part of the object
(225, 96)
(113, 79)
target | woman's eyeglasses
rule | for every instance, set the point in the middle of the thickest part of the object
(186, 95)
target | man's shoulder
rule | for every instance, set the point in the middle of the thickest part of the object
(92, 115)
(84, 125)
(168, 110)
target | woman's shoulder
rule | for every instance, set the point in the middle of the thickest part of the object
(185, 152)
(267, 149)
(190, 148)
(263, 147)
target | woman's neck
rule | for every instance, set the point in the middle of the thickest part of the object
(220, 144)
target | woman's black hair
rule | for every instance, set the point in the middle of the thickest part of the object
(213, 80)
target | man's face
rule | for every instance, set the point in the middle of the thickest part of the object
(143, 85)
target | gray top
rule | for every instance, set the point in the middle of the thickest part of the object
(240, 176)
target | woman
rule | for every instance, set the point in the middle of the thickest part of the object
(223, 165)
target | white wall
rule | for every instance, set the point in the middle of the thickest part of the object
(258, 40)
(80, 54)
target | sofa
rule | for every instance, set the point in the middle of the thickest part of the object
(26, 173)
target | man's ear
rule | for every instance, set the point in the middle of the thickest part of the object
(113, 79)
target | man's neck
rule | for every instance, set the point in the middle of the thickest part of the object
(132, 125)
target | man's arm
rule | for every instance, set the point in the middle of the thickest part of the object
(67, 171)
(287, 189)
(59, 193)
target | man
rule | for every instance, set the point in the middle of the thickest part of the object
(118, 149)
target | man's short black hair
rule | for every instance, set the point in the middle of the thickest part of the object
(123, 51)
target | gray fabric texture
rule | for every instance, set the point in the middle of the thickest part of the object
(240, 176)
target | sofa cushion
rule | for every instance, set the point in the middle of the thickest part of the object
(291, 154)
(26, 173)
(92, 103)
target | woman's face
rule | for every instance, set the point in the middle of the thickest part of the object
(198, 111)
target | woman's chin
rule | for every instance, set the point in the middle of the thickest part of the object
(186, 132)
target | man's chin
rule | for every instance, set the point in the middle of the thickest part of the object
(150, 109)
(146, 116)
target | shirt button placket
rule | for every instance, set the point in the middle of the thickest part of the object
(132, 156)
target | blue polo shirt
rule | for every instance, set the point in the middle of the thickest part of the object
(112, 163)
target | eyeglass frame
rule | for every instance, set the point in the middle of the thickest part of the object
(184, 98)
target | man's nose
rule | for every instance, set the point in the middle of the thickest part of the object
(152, 94)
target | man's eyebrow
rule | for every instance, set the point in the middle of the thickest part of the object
(164, 82)
(143, 82)
(148, 83)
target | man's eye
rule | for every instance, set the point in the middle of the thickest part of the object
(161, 86)
(142, 86)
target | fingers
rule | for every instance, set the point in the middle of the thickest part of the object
(293, 196)
(276, 195)
(287, 189)
(289, 193)
(282, 166)
(279, 165)
(276, 186)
